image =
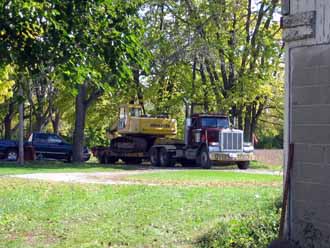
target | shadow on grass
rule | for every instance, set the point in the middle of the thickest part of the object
(56, 165)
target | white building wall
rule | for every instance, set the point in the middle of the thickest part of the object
(308, 124)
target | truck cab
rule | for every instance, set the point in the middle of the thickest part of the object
(205, 128)
(211, 139)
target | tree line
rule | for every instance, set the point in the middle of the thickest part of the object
(76, 61)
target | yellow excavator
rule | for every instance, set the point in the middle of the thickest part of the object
(208, 138)
(134, 134)
(133, 122)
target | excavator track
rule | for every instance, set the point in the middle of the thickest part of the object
(129, 144)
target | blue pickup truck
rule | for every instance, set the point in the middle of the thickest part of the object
(45, 145)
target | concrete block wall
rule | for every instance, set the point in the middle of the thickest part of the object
(308, 125)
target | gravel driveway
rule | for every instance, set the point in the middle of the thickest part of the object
(115, 178)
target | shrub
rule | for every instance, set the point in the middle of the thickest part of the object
(255, 230)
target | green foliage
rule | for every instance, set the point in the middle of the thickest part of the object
(270, 142)
(6, 83)
(224, 54)
(252, 230)
(215, 53)
(96, 137)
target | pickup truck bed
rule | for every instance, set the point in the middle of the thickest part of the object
(9, 150)
(6, 147)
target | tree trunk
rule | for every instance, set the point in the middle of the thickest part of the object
(247, 124)
(80, 116)
(214, 86)
(56, 122)
(8, 120)
(240, 118)
(21, 129)
(136, 74)
(7, 126)
(203, 77)
(193, 83)
(37, 127)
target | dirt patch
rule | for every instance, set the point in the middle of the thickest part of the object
(33, 238)
(120, 178)
(95, 177)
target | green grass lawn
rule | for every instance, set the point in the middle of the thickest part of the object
(206, 176)
(260, 165)
(54, 167)
(39, 214)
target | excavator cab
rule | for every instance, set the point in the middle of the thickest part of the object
(127, 111)
(132, 121)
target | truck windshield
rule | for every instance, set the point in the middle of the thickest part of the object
(215, 122)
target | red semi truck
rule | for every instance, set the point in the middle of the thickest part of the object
(209, 139)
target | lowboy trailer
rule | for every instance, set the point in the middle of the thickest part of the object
(209, 140)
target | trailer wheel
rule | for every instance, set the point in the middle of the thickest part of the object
(132, 160)
(111, 160)
(243, 165)
(188, 163)
(12, 155)
(203, 159)
(165, 158)
(154, 156)
(105, 159)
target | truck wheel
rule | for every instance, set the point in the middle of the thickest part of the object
(111, 160)
(203, 159)
(12, 155)
(165, 158)
(69, 159)
(104, 159)
(108, 159)
(188, 163)
(132, 160)
(154, 156)
(243, 165)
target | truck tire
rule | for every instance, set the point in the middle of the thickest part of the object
(203, 159)
(154, 156)
(165, 159)
(131, 160)
(68, 160)
(243, 165)
(188, 163)
(111, 160)
(105, 159)
(11, 155)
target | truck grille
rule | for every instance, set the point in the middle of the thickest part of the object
(231, 140)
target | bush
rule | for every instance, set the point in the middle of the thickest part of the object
(255, 230)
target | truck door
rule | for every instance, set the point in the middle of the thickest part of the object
(195, 133)
(40, 144)
(122, 118)
(57, 148)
